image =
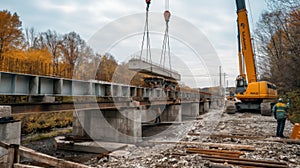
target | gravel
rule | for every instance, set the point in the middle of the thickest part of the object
(215, 122)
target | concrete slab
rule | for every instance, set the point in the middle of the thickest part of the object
(89, 147)
(152, 69)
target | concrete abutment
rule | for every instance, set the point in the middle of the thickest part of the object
(125, 125)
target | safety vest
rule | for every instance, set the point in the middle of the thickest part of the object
(280, 110)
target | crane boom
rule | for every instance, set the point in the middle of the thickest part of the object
(254, 95)
(244, 40)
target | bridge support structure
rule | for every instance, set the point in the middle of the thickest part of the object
(10, 131)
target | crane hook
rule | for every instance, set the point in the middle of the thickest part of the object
(167, 15)
(148, 4)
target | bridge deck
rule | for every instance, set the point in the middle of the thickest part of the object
(152, 69)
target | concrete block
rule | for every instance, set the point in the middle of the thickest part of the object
(206, 107)
(172, 113)
(5, 111)
(10, 133)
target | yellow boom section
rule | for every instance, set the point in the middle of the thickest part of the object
(245, 39)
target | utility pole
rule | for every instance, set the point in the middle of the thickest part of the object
(224, 80)
(220, 69)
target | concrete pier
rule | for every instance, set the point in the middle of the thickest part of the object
(109, 125)
(172, 113)
(123, 125)
(10, 131)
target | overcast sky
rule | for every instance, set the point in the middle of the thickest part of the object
(214, 22)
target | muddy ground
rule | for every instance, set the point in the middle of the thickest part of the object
(241, 128)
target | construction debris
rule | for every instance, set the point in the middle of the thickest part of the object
(212, 145)
(216, 139)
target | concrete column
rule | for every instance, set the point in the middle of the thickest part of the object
(172, 113)
(201, 108)
(10, 130)
(214, 104)
(113, 125)
(206, 106)
(34, 85)
(78, 124)
(190, 109)
(195, 109)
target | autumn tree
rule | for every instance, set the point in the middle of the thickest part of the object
(72, 47)
(10, 31)
(277, 35)
(106, 68)
(53, 42)
(31, 39)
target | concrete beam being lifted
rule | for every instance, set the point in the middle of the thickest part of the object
(152, 69)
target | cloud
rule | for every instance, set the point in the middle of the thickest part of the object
(215, 19)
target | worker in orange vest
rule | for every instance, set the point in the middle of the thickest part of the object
(280, 113)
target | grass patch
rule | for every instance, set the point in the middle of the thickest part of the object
(41, 136)
(44, 122)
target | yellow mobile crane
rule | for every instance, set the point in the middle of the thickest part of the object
(253, 94)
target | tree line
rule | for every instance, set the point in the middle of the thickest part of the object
(278, 56)
(50, 53)
(278, 42)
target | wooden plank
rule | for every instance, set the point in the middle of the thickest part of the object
(18, 165)
(218, 151)
(235, 154)
(215, 153)
(10, 157)
(4, 145)
(49, 160)
(266, 163)
(215, 145)
(246, 163)
(236, 136)
(288, 141)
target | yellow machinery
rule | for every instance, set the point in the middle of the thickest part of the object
(253, 94)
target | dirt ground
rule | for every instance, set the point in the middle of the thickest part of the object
(213, 127)
(242, 128)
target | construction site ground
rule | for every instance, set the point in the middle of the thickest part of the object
(214, 139)
(174, 146)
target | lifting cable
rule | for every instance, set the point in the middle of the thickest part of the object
(146, 33)
(166, 42)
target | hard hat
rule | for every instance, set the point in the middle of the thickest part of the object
(280, 100)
